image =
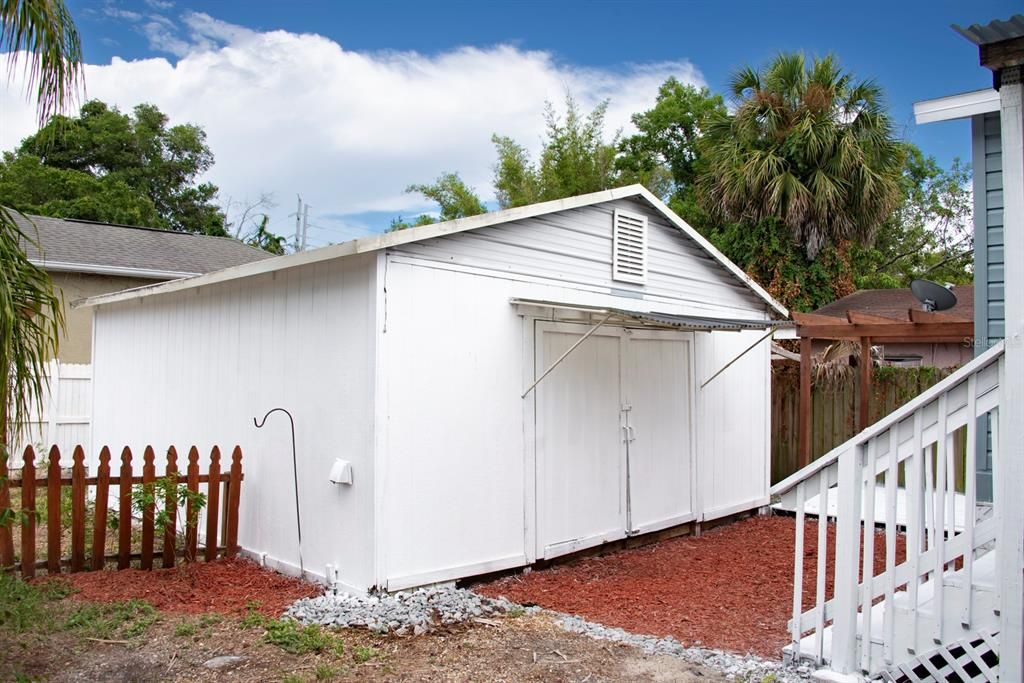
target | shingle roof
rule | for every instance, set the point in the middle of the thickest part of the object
(894, 303)
(73, 245)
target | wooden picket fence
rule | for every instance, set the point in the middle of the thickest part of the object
(221, 511)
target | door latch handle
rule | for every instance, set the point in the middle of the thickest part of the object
(630, 433)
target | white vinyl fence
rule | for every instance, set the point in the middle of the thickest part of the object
(66, 415)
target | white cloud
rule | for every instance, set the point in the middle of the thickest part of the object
(297, 113)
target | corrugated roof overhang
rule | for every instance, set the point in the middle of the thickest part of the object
(660, 320)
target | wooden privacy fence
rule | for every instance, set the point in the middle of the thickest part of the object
(221, 519)
(835, 409)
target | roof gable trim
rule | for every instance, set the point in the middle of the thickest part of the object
(391, 239)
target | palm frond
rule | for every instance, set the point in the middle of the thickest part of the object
(42, 34)
(31, 319)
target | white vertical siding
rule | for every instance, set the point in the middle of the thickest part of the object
(197, 366)
(457, 490)
(452, 489)
(733, 413)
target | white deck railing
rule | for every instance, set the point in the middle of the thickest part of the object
(871, 624)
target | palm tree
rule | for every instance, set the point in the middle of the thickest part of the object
(40, 36)
(808, 145)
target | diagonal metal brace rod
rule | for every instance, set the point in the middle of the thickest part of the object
(572, 348)
(770, 332)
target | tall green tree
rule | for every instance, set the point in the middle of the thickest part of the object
(808, 145)
(575, 159)
(929, 235)
(110, 166)
(454, 199)
(41, 36)
(664, 154)
(453, 196)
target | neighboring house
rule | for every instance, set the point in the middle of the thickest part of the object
(950, 604)
(506, 388)
(895, 304)
(982, 109)
(87, 259)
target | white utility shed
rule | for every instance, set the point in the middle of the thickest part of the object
(412, 355)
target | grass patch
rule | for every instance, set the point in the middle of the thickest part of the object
(201, 625)
(252, 618)
(364, 653)
(293, 637)
(25, 606)
(124, 620)
(515, 612)
(326, 672)
(185, 629)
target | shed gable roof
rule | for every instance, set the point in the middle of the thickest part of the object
(425, 232)
(85, 246)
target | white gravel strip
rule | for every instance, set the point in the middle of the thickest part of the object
(735, 667)
(404, 612)
(420, 610)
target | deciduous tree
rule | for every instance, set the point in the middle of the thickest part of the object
(156, 162)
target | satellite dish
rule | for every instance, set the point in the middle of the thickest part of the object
(932, 295)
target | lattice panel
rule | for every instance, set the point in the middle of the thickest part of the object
(971, 659)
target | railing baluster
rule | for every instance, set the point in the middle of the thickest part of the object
(940, 519)
(868, 566)
(970, 498)
(993, 423)
(891, 477)
(819, 596)
(798, 572)
(915, 487)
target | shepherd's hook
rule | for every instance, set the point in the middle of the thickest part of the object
(295, 477)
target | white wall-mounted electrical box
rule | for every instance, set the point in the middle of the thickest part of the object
(341, 472)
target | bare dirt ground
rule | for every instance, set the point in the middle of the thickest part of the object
(525, 648)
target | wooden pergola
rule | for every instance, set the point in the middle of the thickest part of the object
(919, 326)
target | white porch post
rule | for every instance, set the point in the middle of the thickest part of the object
(1010, 469)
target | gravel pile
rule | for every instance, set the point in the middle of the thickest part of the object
(410, 612)
(735, 667)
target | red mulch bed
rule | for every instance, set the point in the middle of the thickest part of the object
(730, 589)
(225, 586)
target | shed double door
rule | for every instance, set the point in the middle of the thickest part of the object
(613, 435)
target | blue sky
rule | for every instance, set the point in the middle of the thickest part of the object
(598, 49)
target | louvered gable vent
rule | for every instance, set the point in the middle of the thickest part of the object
(629, 247)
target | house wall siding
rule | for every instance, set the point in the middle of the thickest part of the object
(195, 367)
(989, 315)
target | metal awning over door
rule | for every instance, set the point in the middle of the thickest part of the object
(657, 320)
(669, 321)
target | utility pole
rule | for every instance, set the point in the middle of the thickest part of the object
(301, 225)
(298, 226)
(305, 226)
